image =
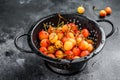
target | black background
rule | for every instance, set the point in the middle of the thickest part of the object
(17, 16)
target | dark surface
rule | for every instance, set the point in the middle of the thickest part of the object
(17, 16)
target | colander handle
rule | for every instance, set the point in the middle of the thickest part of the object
(113, 28)
(19, 48)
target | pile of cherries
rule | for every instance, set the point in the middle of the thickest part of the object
(65, 42)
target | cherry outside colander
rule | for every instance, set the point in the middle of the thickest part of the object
(63, 66)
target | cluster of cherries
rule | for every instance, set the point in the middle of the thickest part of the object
(65, 42)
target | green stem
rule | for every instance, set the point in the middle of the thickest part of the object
(95, 9)
(58, 23)
(44, 25)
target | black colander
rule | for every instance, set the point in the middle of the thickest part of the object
(64, 66)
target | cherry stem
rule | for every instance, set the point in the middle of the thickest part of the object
(44, 25)
(95, 9)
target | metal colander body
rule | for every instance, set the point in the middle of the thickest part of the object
(96, 34)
